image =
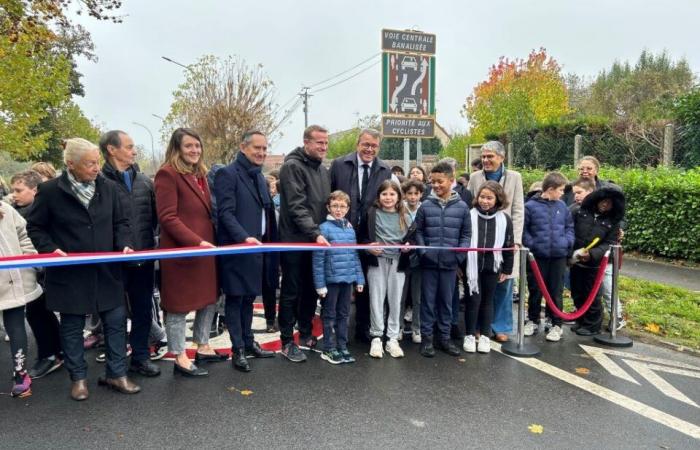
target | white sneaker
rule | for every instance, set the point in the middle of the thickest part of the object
(484, 344)
(416, 337)
(530, 328)
(408, 317)
(469, 345)
(554, 334)
(400, 335)
(394, 348)
(375, 349)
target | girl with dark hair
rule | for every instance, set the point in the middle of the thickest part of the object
(491, 228)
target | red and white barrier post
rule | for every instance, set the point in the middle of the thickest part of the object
(520, 348)
(614, 340)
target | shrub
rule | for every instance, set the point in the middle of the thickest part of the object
(663, 208)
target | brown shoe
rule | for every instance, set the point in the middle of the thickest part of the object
(500, 337)
(79, 390)
(121, 384)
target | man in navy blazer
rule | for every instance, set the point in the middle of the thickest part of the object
(245, 214)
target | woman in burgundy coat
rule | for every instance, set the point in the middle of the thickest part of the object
(183, 202)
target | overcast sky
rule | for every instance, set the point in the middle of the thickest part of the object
(302, 42)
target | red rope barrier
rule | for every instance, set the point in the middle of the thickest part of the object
(591, 296)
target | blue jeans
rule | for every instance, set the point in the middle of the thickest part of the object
(114, 326)
(503, 308)
(436, 305)
(138, 283)
(335, 313)
(239, 321)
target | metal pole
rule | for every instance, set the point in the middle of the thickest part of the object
(614, 340)
(406, 154)
(520, 347)
(509, 155)
(668, 145)
(153, 149)
(577, 148)
(305, 94)
(419, 153)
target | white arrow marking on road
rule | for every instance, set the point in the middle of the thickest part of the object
(608, 364)
(635, 406)
(395, 95)
(647, 371)
(646, 368)
(423, 71)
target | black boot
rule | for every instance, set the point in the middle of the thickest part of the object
(239, 360)
(426, 347)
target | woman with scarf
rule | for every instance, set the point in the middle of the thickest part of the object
(245, 215)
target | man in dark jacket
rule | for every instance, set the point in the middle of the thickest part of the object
(81, 212)
(139, 204)
(359, 175)
(245, 214)
(304, 189)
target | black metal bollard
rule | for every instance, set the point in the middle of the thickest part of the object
(613, 340)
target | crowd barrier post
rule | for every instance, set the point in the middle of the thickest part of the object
(613, 340)
(520, 348)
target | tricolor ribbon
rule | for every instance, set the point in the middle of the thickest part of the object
(53, 259)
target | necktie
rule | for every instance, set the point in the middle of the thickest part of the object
(127, 180)
(365, 180)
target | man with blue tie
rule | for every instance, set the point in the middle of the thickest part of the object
(137, 197)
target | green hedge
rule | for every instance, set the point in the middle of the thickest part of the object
(663, 208)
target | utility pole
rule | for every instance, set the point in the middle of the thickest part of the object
(153, 150)
(305, 95)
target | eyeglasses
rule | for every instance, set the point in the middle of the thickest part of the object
(368, 146)
(338, 206)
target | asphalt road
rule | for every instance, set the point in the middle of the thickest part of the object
(475, 401)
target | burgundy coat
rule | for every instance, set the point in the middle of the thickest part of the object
(184, 213)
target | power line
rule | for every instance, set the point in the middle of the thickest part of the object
(291, 111)
(345, 71)
(346, 79)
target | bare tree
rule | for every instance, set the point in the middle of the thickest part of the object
(221, 99)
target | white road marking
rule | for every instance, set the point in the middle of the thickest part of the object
(647, 371)
(635, 406)
(608, 364)
(591, 350)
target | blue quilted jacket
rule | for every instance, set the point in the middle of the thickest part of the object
(439, 225)
(549, 228)
(337, 265)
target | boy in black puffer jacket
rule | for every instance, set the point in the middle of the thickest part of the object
(599, 217)
(442, 221)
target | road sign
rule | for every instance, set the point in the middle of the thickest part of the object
(408, 127)
(408, 41)
(408, 84)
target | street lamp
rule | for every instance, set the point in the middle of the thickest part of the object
(175, 62)
(153, 150)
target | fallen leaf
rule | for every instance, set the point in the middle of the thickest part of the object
(536, 429)
(582, 371)
(462, 360)
(653, 328)
(231, 389)
(246, 392)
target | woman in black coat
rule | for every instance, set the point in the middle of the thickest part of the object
(81, 212)
(245, 213)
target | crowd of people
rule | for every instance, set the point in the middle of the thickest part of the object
(101, 202)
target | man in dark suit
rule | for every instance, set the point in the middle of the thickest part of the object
(245, 214)
(80, 211)
(359, 175)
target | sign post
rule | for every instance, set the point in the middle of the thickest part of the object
(408, 84)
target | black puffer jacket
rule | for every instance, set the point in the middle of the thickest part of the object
(304, 188)
(486, 238)
(440, 225)
(139, 205)
(589, 224)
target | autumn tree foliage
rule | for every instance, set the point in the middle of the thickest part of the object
(519, 93)
(222, 99)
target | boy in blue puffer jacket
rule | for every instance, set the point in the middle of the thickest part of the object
(334, 272)
(442, 221)
(549, 234)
